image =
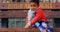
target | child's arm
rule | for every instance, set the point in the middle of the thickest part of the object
(27, 25)
(35, 19)
(28, 18)
(38, 16)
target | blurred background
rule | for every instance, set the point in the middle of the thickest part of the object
(13, 12)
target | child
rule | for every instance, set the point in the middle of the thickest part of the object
(36, 17)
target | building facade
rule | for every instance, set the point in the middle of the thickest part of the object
(13, 12)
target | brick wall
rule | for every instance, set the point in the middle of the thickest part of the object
(18, 14)
(26, 5)
(18, 30)
(24, 30)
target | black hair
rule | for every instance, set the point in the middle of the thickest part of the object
(35, 1)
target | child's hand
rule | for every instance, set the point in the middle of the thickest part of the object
(28, 25)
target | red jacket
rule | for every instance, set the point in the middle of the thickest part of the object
(39, 15)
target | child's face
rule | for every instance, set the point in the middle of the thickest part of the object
(33, 6)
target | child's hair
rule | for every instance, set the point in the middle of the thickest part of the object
(35, 1)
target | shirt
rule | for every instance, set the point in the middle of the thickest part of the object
(31, 14)
(39, 15)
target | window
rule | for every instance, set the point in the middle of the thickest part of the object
(20, 0)
(46, 0)
(58, 0)
(51, 22)
(41, 0)
(16, 22)
(27, 0)
(7, 1)
(53, 1)
(0, 23)
(23, 1)
(4, 23)
(50, 1)
(13, 0)
(57, 22)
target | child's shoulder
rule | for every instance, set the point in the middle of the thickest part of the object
(39, 8)
(29, 10)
